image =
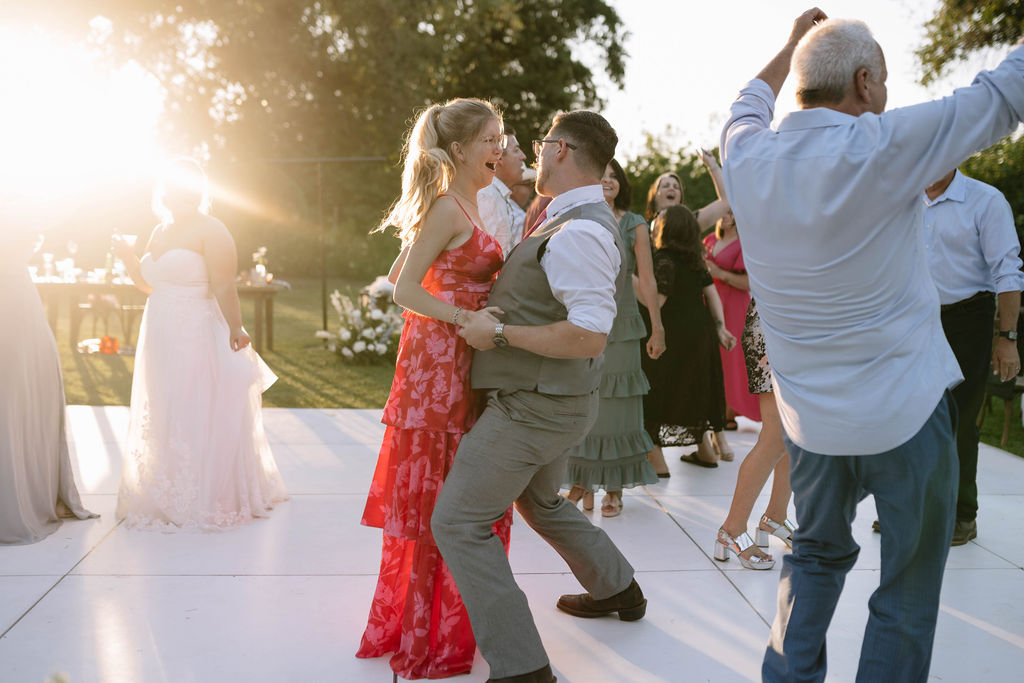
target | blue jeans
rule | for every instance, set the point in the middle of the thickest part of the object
(915, 490)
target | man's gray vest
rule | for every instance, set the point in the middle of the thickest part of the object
(523, 292)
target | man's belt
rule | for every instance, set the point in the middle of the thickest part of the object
(980, 296)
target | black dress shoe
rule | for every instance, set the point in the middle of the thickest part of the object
(964, 531)
(541, 675)
(630, 604)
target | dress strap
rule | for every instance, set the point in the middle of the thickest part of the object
(460, 206)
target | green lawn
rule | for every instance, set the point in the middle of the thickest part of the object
(311, 377)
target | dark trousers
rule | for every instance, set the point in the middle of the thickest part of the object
(968, 328)
(914, 486)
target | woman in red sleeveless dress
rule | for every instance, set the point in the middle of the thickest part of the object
(446, 270)
(724, 257)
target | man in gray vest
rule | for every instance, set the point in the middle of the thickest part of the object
(541, 366)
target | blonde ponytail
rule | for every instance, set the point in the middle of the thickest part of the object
(429, 168)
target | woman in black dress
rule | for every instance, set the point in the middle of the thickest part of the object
(687, 397)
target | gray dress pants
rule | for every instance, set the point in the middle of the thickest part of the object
(517, 452)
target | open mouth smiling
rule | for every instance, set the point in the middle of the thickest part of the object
(490, 164)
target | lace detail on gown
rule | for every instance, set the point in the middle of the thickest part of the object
(197, 455)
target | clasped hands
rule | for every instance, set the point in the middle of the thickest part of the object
(477, 327)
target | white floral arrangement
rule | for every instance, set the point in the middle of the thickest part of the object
(369, 329)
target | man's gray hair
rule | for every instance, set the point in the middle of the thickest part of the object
(827, 58)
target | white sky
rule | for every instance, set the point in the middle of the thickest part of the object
(688, 59)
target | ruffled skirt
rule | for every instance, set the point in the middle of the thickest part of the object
(613, 456)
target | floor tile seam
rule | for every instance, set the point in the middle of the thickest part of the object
(635, 570)
(59, 580)
(994, 553)
(35, 576)
(86, 440)
(320, 442)
(1012, 567)
(714, 564)
(292, 494)
(122, 575)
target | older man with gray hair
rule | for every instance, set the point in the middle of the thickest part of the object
(830, 218)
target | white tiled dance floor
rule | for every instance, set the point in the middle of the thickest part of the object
(286, 598)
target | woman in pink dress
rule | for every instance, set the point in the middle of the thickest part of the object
(444, 276)
(724, 257)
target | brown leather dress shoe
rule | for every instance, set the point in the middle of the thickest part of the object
(630, 604)
(541, 675)
(964, 531)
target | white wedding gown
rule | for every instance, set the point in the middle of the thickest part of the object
(197, 456)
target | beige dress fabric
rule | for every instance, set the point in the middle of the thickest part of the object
(37, 486)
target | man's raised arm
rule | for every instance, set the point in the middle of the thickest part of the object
(776, 71)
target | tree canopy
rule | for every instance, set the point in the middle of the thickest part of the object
(657, 157)
(252, 81)
(342, 77)
(961, 27)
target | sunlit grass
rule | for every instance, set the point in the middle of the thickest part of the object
(309, 376)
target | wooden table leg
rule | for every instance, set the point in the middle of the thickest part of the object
(270, 322)
(257, 342)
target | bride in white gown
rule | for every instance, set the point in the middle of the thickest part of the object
(197, 456)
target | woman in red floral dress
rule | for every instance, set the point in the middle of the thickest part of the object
(445, 273)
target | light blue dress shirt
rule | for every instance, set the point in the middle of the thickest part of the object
(829, 212)
(971, 240)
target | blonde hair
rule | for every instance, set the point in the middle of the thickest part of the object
(428, 168)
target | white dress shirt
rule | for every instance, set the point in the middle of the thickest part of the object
(829, 212)
(971, 240)
(581, 262)
(502, 217)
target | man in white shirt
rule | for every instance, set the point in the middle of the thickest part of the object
(541, 366)
(502, 217)
(974, 259)
(830, 219)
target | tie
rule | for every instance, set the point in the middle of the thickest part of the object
(536, 224)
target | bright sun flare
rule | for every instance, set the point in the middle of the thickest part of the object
(67, 123)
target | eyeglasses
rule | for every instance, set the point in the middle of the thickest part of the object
(538, 144)
(500, 140)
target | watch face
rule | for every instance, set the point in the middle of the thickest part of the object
(499, 339)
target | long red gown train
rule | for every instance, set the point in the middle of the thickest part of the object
(417, 612)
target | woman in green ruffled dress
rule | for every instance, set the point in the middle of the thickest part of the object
(613, 456)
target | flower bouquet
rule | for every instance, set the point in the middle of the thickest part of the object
(369, 328)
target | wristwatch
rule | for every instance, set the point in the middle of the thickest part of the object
(1009, 334)
(499, 338)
